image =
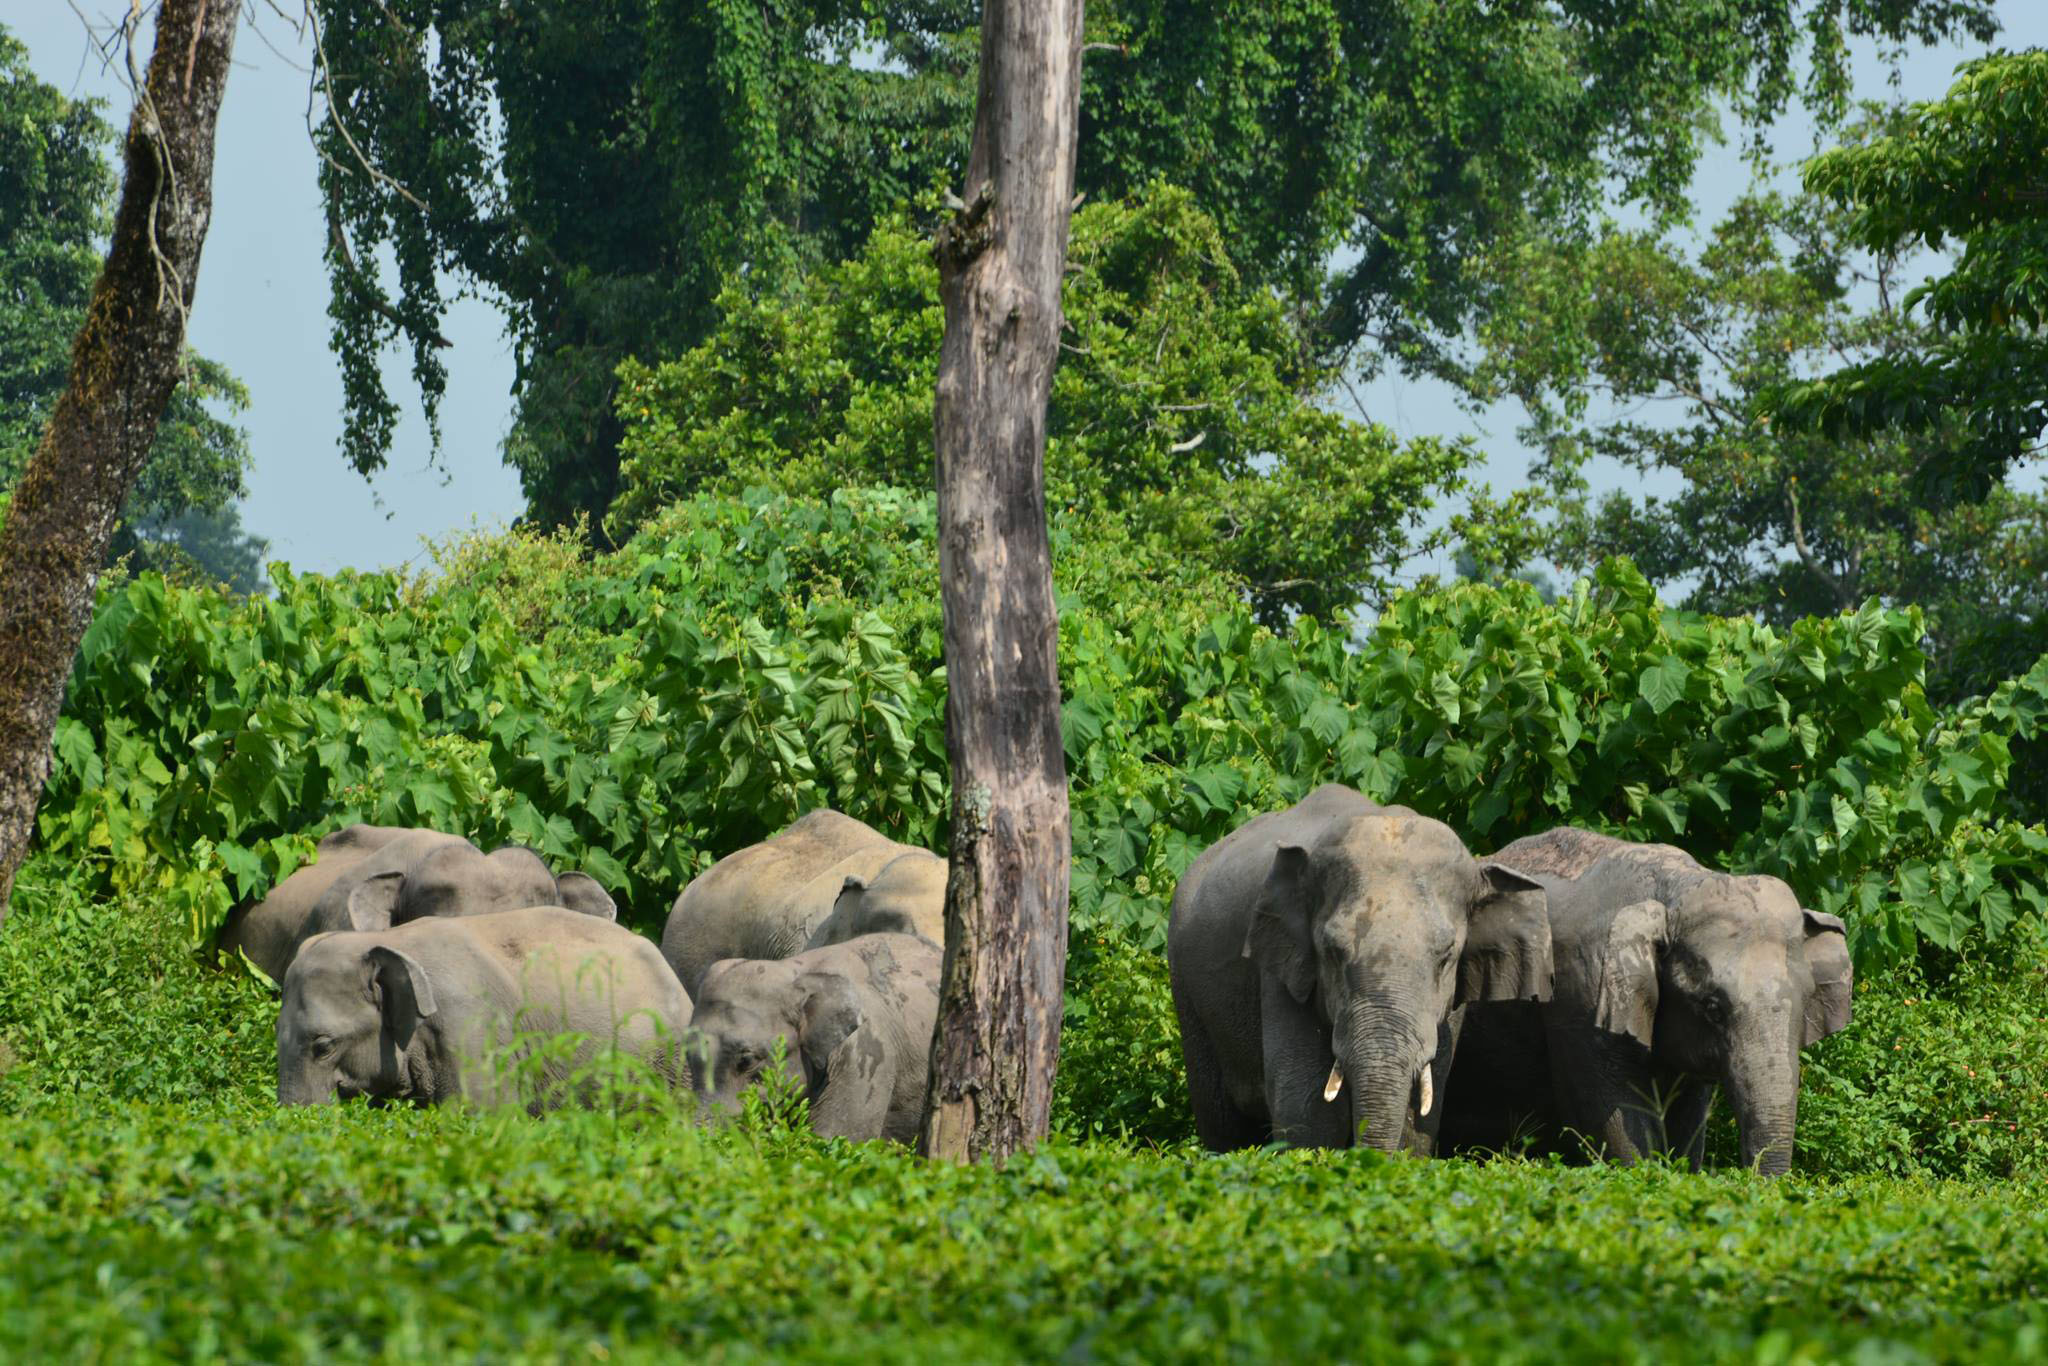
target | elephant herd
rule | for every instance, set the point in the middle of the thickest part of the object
(414, 966)
(1330, 963)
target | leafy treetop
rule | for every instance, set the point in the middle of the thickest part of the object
(1182, 404)
(1969, 167)
(606, 167)
(1667, 364)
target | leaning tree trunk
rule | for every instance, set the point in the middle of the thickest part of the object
(124, 365)
(1000, 263)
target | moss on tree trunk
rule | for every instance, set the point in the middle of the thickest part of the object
(128, 358)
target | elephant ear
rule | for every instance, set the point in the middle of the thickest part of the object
(1827, 955)
(830, 1012)
(404, 995)
(372, 901)
(845, 919)
(581, 892)
(1626, 999)
(1279, 940)
(1507, 940)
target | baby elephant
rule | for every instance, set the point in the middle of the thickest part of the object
(767, 900)
(414, 1012)
(855, 1022)
(907, 897)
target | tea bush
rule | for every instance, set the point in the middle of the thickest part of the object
(105, 1002)
(150, 1232)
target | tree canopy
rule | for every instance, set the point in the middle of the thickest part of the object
(1183, 405)
(1668, 364)
(56, 200)
(1967, 168)
(605, 168)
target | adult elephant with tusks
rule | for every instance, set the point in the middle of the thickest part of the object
(1320, 957)
(1672, 979)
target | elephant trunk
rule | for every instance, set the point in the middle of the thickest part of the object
(298, 1089)
(1764, 1093)
(1384, 1068)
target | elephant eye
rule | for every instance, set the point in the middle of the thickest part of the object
(1714, 1008)
(323, 1047)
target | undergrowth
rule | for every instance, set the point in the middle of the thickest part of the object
(147, 1232)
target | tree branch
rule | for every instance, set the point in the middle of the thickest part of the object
(364, 288)
(1806, 556)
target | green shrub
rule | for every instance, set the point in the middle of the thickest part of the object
(1121, 1074)
(106, 1001)
(644, 713)
(1944, 1072)
(139, 1232)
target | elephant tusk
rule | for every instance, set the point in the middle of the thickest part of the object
(1428, 1096)
(1334, 1084)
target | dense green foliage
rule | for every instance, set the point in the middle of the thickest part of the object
(1771, 520)
(1966, 167)
(649, 711)
(607, 169)
(362, 1234)
(1182, 405)
(56, 201)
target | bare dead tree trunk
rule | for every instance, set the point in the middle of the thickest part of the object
(128, 358)
(1000, 263)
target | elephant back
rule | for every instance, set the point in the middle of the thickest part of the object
(765, 900)
(270, 932)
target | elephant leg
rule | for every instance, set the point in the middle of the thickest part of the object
(1298, 1059)
(1685, 1123)
(1606, 1090)
(860, 1081)
(1220, 1125)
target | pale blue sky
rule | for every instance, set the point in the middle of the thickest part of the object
(262, 311)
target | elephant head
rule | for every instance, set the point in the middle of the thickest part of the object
(1730, 982)
(1385, 925)
(349, 1022)
(457, 878)
(745, 1007)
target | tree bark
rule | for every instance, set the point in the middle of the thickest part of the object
(1000, 260)
(128, 358)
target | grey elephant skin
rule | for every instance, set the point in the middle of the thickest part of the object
(854, 1021)
(908, 896)
(366, 877)
(766, 901)
(1672, 979)
(435, 1009)
(1320, 957)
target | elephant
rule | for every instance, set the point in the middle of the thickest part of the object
(1333, 945)
(907, 897)
(855, 1021)
(366, 877)
(1671, 979)
(766, 900)
(415, 1012)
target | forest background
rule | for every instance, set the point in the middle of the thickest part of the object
(1809, 649)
